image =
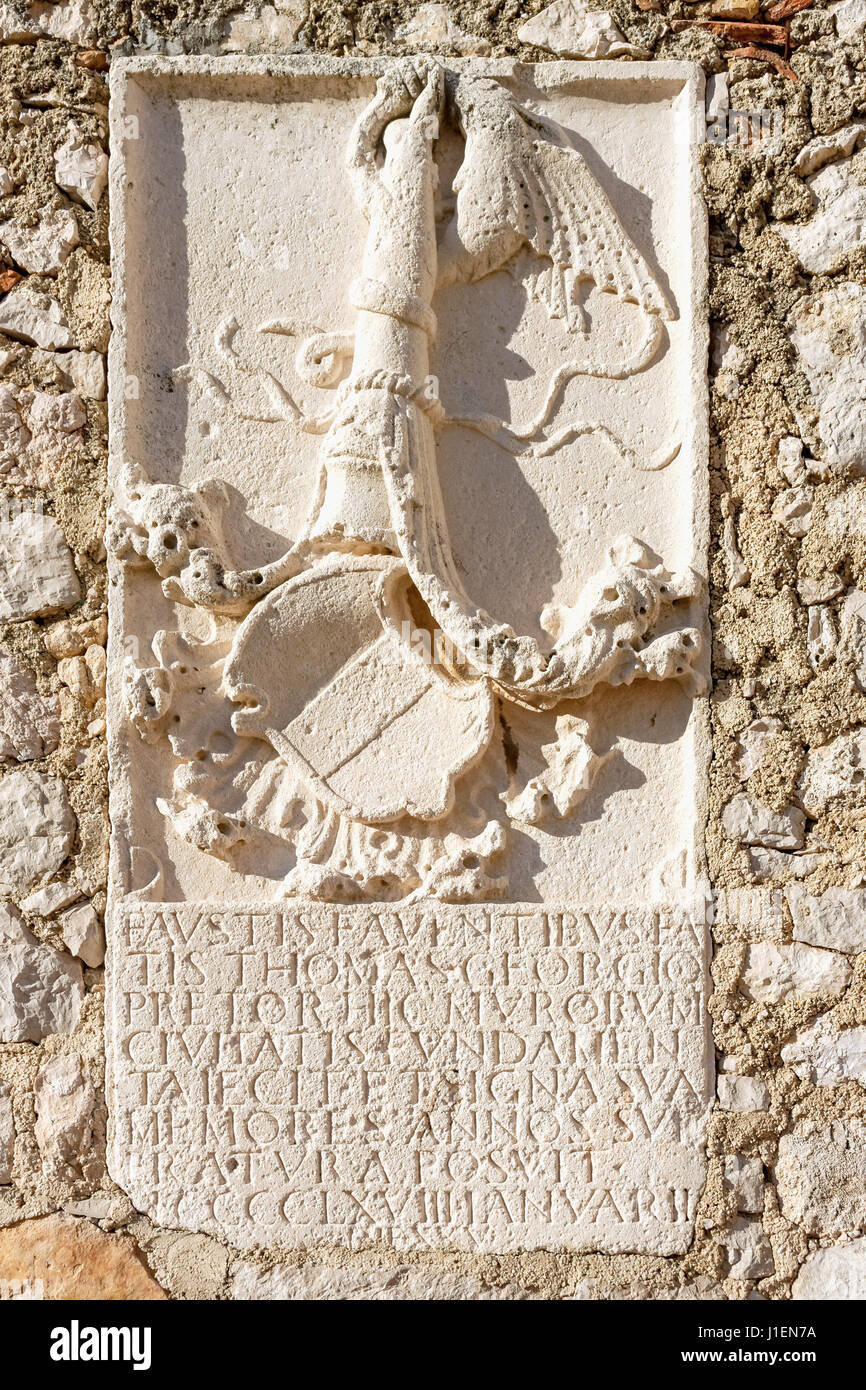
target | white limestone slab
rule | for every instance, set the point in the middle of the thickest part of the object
(407, 652)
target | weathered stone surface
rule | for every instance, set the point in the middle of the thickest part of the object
(752, 745)
(828, 330)
(29, 722)
(752, 823)
(50, 899)
(193, 1267)
(85, 371)
(40, 988)
(37, 575)
(834, 776)
(828, 147)
(36, 828)
(64, 1113)
(826, 1055)
(323, 783)
(742, 1093)
(821, 1177)
(81, 170)
(83, 934)
(835, 918)
(836, 1274)
(772, 972)
(353, 1284)
(34, 318)
(745, 1176)
(432, 26)
(750, 1255)
(838, 227)
(572, 29)
(74, 1260)
(43, 247)
(7, 1134)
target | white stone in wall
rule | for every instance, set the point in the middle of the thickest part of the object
(827, 147)
(37, 576)
(40, 988)
(828, 329)
(767, 864)
(7, 1134)
(29, 721)
(36, 828)
(750, 1255)
(835, 1274)
(821, 1177)
(433, 26)
(850, 16)
(82, 933)
(753, 744)
(745, 1177)
(271, 27)
(772, 972)
(835, 918)
(742, 1093)
(834, 775)
(821, 636)
(34, 318)
(451, 896)
(838, 227)
(81, 169)
(793, 510)
(85, 371)
(752, 823)
(70, 20)
(826, 1055)
(572, 29)
(43, 247)
(64, 1115)
(50, 899)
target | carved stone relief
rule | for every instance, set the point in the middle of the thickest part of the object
(407, 655)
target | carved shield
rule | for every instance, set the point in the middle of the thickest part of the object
(325, 670)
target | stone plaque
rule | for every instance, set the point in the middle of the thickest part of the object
(408, 652)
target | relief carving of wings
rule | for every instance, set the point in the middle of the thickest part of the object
(516, 189)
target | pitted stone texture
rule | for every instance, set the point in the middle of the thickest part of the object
(37, 576)
(821, 1177)
(835, 918)
(29, 722)
(312, 1282)
(81, 168)
(834, 776)
(34, 318)
(752, 823)
(742, 1093)
(750, 1255)
(826, 1055)
(73, 1260)
(837, 1274)
(572, 29)
(324, 765)
(82, 933)
(773, 972)
(745, 1176)
(7, 1134)
(44, 246)
(64, 1112)
(40, 988)
(36, 828)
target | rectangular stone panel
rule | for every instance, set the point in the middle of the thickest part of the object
(408, 652)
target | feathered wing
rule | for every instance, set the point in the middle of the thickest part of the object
(518, 190)
(580, 233)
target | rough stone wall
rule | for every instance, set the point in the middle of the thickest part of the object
(785, 1203)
